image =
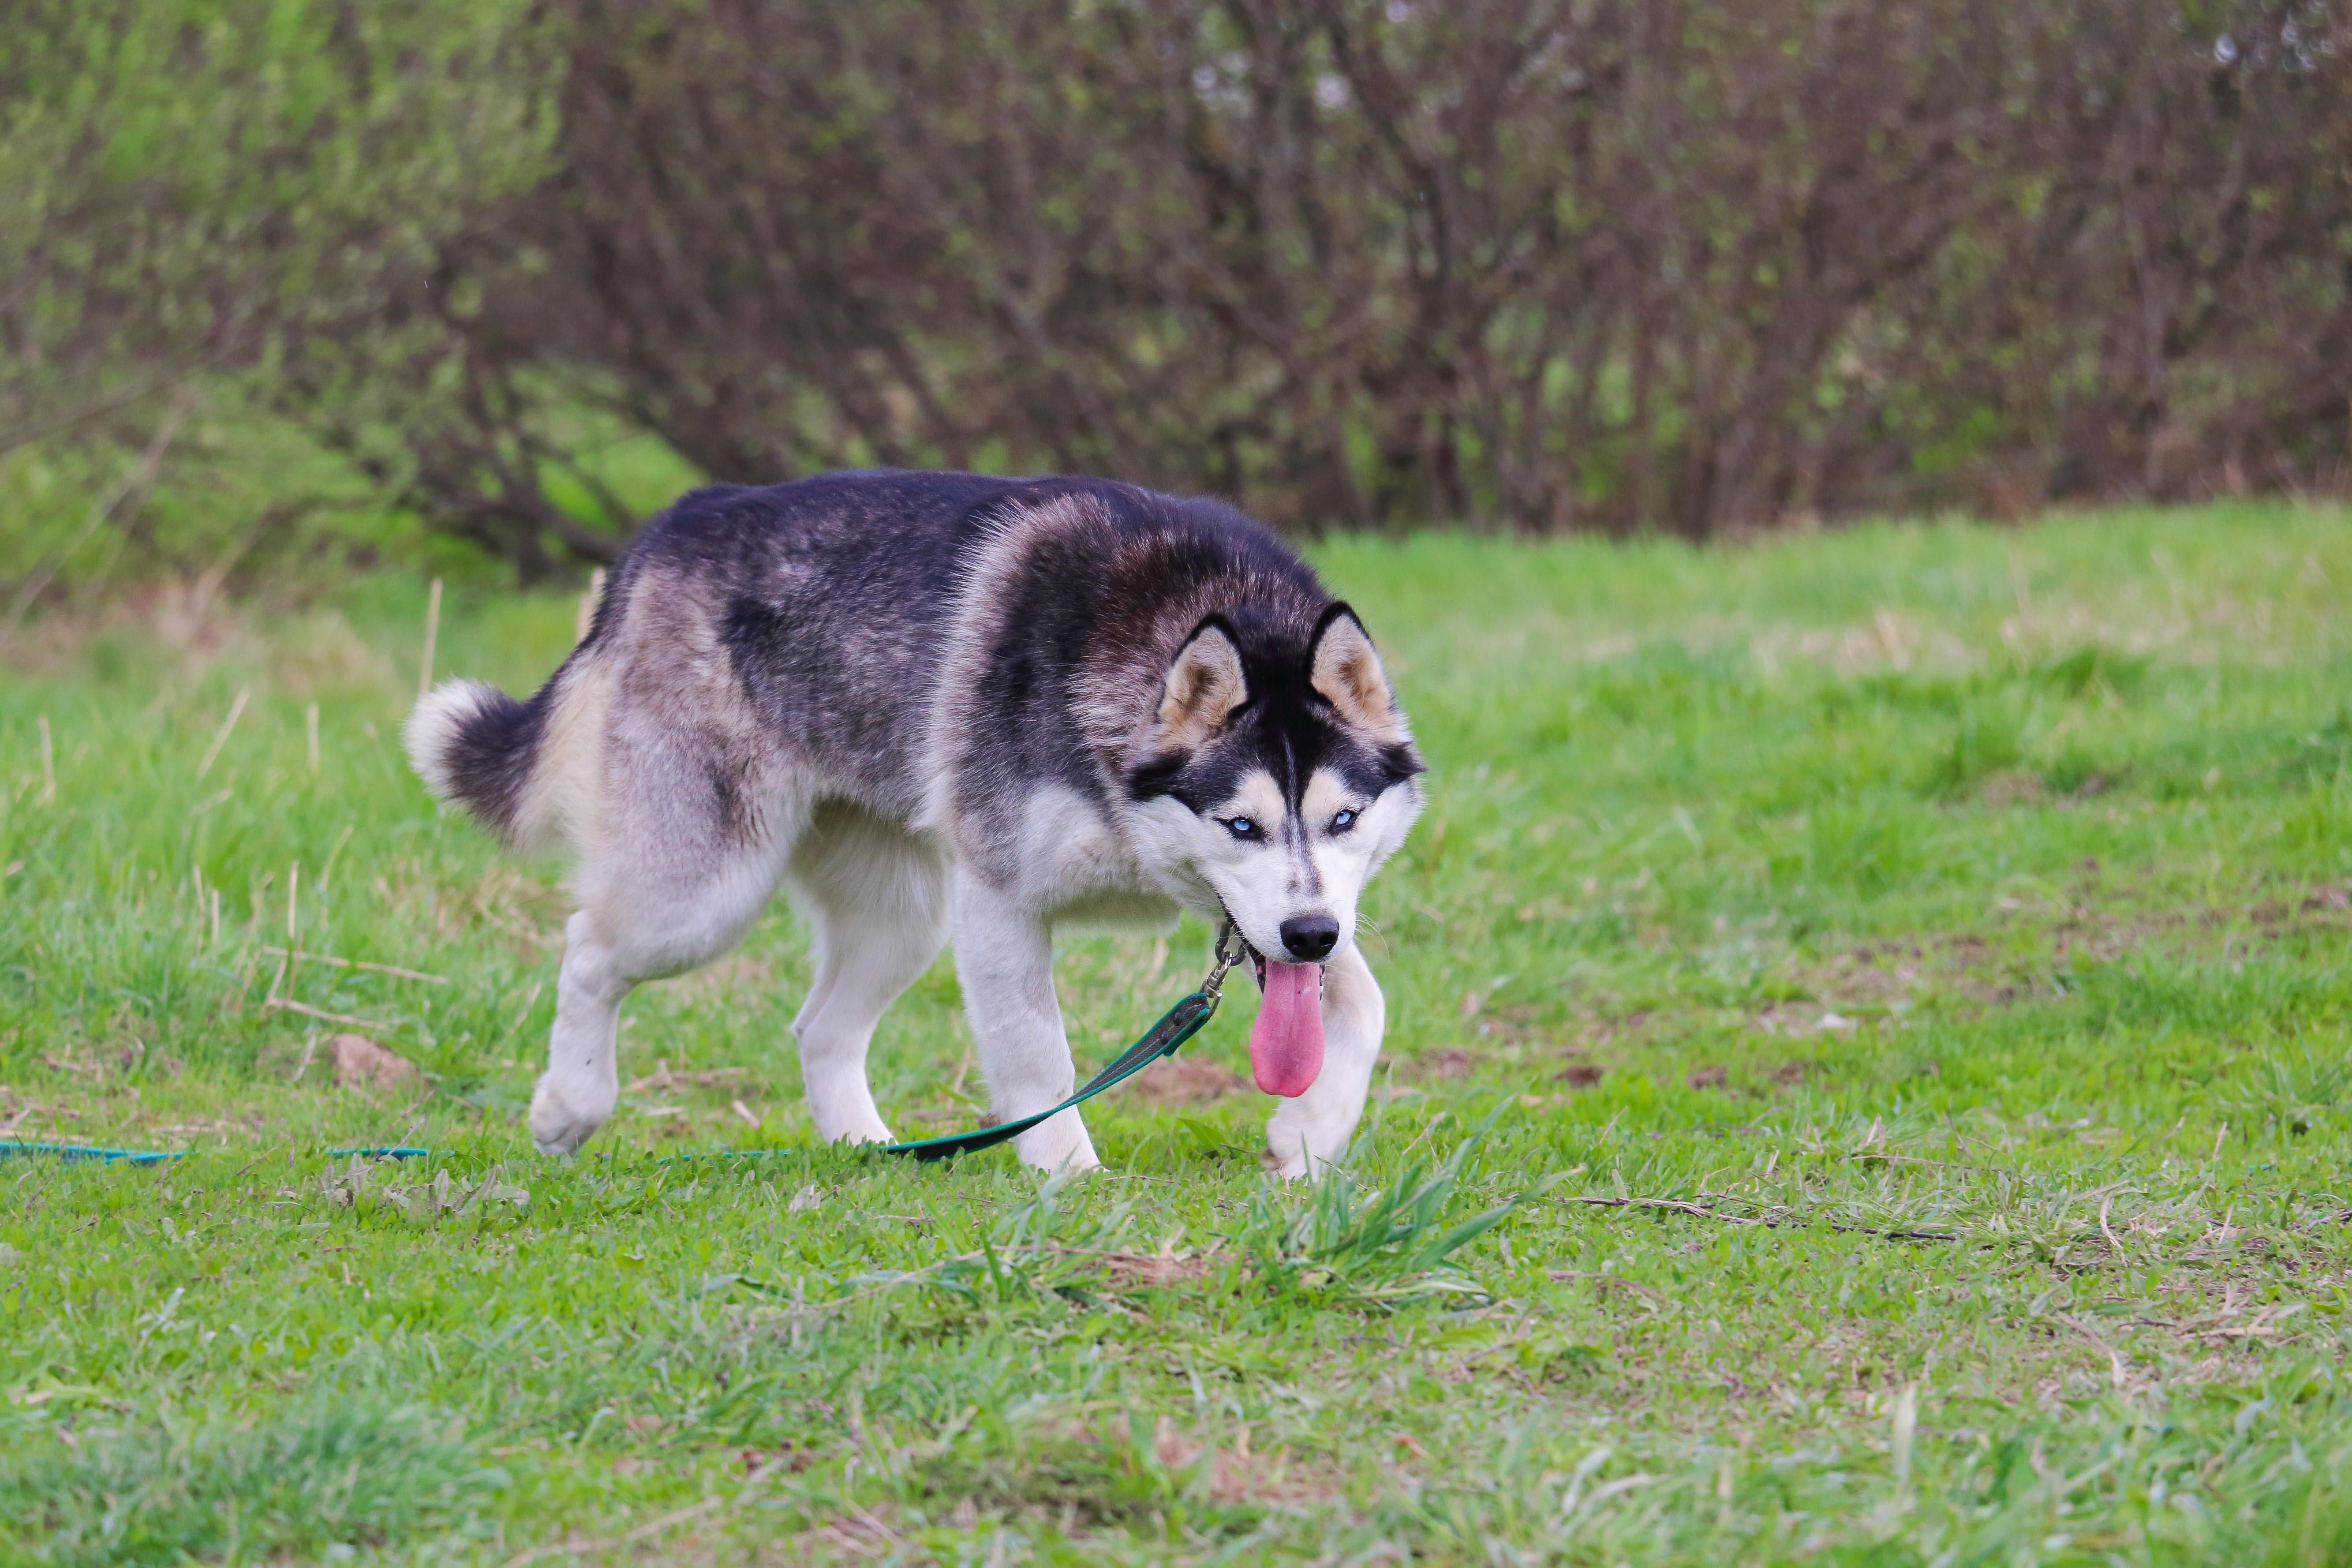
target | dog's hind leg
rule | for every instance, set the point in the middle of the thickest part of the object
(1004, 958)
(878, 896)
(1311, 1132)
(673, 882)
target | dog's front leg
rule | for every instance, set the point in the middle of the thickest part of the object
(1004, 959)
(1312, 1130)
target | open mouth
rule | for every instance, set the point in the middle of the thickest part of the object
(1287, 1042)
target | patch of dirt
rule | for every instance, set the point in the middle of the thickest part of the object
(1240, 1477)
(1625, 1030)
(1183, 1079)
(1520, 1022)
(361, 1063)
(1235, 1474)
(2324, 908)
(1710, 1078)
(2017, 786)
(200, 1128)
(15, 1112)
(791, 1458)
(2093, 921)
(1885, 976)
(2103, 936)
(1446, 1063)
(1579, 1075)
(664, 1077)
(2013, 786)
(1131, 1268)
(1784, 1019)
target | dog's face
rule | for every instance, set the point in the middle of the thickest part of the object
(1279, 785)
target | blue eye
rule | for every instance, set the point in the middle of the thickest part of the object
(1344, 821)
(1242, 827)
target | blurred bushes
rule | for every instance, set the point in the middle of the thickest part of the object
(1615, 264)
(197, 196)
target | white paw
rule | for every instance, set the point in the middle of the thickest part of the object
(1059, 1145)
(1290, 1169)
(850, 1122)
(564, 1115)
(1303, 1149)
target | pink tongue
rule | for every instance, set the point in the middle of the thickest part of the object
(1286, 1041)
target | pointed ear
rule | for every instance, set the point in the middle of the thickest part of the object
(1345, 672)
(1204, 686)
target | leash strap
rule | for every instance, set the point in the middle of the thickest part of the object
(75, 1154)
(1175, 1026)
(80, 1153)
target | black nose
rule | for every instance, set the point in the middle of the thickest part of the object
(1310, 938)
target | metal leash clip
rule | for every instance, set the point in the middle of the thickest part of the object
(1213, 986)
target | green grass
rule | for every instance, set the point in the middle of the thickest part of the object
(1969, 908)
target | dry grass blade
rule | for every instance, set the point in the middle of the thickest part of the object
(585, 619)
(2114, 1359)
(1771, 1221)
(652, 1527)
(220, 736)
(432, 635)
(662, 1076)
(392, 969)
(1674, 1205)
(284, 1005)
(1618, 1279)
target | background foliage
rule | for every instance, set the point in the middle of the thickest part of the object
(511, 273)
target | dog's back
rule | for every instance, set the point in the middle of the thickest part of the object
(804, 626)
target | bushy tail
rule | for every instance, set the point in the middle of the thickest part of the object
(476, 747)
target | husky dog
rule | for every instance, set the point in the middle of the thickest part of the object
(944, 706)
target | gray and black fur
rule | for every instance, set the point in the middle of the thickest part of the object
(935, 704)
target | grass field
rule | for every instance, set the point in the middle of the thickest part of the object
(1885, 991)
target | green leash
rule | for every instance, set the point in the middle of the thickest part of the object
(1176, 1026)
(80, 1153)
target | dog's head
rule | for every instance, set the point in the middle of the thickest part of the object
(1279, 778)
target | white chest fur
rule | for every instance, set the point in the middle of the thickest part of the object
(1077, 869)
